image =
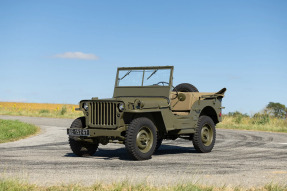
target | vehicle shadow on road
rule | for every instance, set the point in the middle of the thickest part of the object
(122, 154)
(173, 149)
(107, 154)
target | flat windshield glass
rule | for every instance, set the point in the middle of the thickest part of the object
(150, 77)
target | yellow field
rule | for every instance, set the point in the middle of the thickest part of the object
(39, 109)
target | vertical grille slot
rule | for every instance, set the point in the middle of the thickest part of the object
(103, 113)
(92, 109)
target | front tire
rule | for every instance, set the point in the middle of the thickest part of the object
(158, 143)
(81, 148)
(141, 138)
(205, 135)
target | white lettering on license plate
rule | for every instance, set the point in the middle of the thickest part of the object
(79, 132)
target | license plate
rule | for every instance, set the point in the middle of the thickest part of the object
(79, 132)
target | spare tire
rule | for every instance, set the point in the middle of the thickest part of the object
(185, 87)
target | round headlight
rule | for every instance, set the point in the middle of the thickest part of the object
(121, 106)
(86, 106)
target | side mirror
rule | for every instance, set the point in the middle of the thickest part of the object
(181, 97)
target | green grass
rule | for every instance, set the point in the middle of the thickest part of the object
(261, 123)
(11, 130)
(16, 185)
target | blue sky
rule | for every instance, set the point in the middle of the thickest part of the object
(65, 51)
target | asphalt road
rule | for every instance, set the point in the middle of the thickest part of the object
(239, 158)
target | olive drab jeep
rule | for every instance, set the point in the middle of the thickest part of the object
(146, 109)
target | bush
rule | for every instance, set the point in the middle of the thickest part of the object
(44, 111)
(260, 119)
(63, 110)
(236, 114)
(238, 119)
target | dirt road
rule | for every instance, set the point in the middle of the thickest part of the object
(242, 158)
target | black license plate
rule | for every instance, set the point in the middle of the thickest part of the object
(79, 132)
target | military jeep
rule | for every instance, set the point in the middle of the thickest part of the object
(145, 109)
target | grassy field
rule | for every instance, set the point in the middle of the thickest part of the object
(257, 122)
(15, 130)
(14, 185)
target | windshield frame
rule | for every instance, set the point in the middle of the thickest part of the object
(143, 91)
(155, 68)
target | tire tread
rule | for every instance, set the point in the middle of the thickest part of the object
(130, 139)
(81, 148)
(197, 143)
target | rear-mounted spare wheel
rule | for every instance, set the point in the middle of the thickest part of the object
(185, 87)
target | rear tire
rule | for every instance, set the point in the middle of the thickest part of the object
(81, 148)
(185, 87)
(141, 138)
(205, 135)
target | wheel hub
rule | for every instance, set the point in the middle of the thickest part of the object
(206, 135)
(144, 139)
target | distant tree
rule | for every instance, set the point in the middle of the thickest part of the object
(277, 109)
(236, 114)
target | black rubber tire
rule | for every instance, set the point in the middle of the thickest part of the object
(197, 138)
(185, 87)
(131, 138)
(81, 148)
(158, 143)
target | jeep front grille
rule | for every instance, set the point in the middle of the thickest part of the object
(103, 113)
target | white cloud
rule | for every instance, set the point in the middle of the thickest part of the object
(77, 55)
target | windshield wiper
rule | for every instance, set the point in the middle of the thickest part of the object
(152, 74)
(125, 75)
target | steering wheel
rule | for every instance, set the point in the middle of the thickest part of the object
(161, 83)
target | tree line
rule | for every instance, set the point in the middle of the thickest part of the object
(273, 109)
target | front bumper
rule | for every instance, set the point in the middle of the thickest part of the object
(89, 133)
